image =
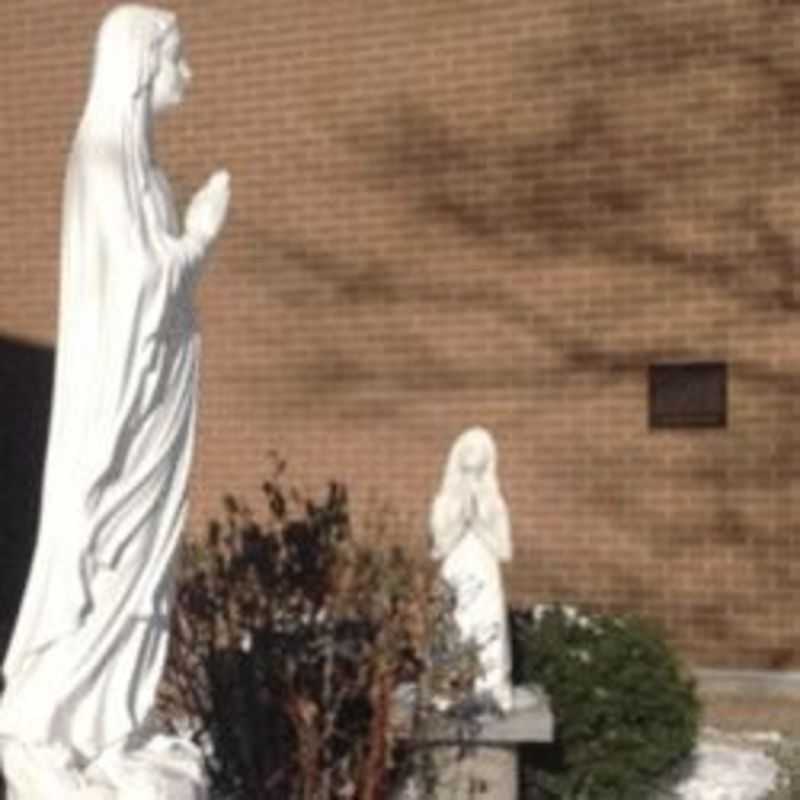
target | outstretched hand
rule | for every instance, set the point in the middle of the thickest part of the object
(208, 208)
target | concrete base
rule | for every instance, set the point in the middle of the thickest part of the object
(749, 683)
(476, 773)
(478, 759)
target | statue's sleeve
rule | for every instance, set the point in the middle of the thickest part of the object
(495, 530)
(445, 526)
(180, 256)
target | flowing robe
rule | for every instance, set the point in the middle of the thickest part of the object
(480, 612)
(90, 641)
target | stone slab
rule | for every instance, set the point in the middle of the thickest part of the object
(530, 720)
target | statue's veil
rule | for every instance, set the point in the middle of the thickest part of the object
(492, 511)
(126, 60)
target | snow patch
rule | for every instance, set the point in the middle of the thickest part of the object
(725, 770)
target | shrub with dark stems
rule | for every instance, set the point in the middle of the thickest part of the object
(290, 638)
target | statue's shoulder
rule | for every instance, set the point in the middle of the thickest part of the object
(96, 157)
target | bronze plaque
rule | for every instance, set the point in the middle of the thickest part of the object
(688, 395)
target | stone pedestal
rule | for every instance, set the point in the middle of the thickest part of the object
(478, 759)
(475, 772)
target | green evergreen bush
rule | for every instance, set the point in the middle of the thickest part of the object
(626, 712)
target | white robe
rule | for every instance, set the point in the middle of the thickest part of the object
(481, 613)
(472, 535)
(90, 641)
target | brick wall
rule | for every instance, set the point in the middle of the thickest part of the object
(457, 211)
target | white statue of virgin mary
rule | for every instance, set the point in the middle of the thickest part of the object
(471, 536)
(90, 641)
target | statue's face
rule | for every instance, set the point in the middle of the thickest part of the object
(173, 74)
(473, 461)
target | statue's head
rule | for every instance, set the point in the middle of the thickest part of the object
(139, 54)
(470, 494)
(173, 73)
(475, 453)
(472, 460)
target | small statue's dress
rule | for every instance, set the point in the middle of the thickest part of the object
(471, 535)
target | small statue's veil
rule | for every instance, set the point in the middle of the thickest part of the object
(493, 527)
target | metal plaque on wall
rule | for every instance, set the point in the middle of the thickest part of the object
(688, 395)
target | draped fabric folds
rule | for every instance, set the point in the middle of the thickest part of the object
(90, 641)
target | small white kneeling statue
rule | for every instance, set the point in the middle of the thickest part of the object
(471, 533)
(90, 642)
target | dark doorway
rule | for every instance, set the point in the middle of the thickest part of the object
(26, 378)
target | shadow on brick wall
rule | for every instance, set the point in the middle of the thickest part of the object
(26, 372)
